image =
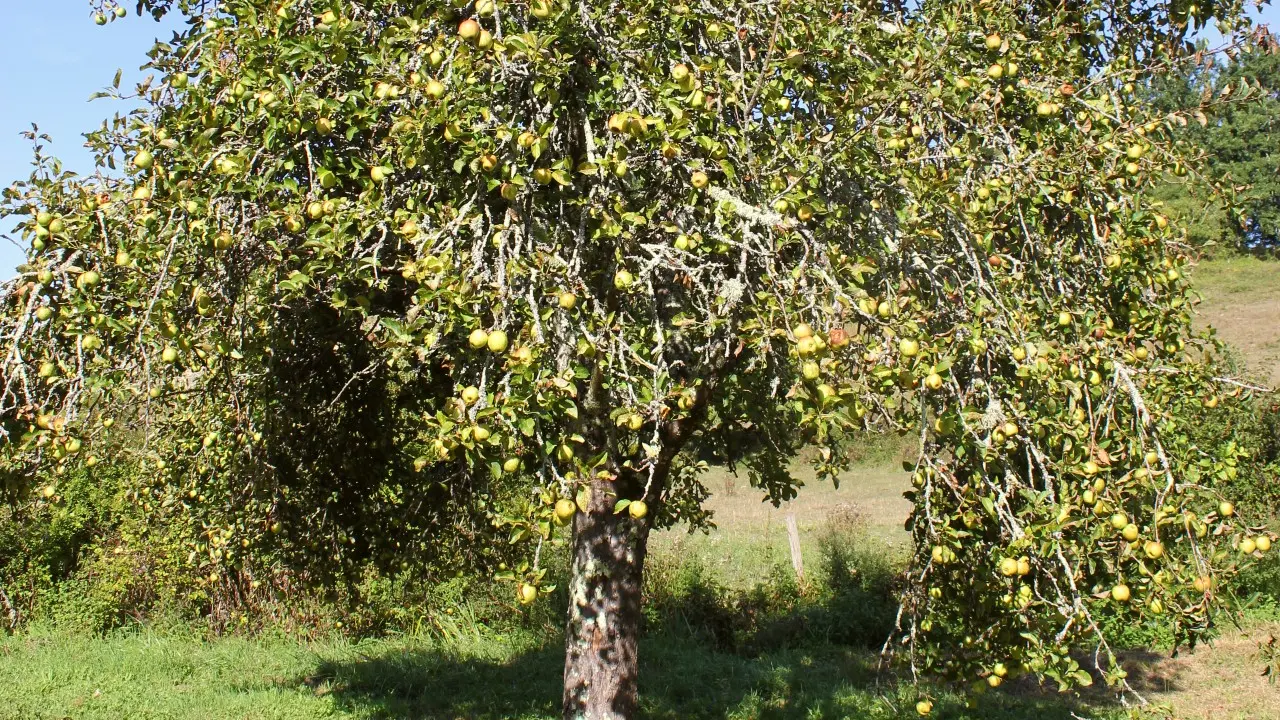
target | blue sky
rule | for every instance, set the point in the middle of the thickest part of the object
(54, 58)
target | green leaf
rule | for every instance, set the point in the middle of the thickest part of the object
(990, 505)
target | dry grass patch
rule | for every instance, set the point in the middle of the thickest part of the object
(1242, 300)
(1218, 682)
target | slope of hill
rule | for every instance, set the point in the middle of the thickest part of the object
(1242, 301)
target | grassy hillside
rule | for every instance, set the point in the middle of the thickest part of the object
(1242, 301)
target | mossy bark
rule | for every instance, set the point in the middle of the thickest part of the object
(601, 664)
(601, 658)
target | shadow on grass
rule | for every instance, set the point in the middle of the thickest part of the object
(680, 679)
(775, 652)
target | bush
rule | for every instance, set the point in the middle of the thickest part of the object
(850, 601)
(1123, 633)
(1248, 433)
(1261, 582)
(1251, 428)
(1255, 427)
(861, 579)
(682, 596)
(51, 559)
(115, 584)
(90, 558)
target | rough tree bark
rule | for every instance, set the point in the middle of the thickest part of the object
(11, 612)
(601, 663)
(601, 659)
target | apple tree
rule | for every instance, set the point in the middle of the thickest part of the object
(433, 279)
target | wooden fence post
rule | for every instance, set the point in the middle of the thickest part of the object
(793, 538)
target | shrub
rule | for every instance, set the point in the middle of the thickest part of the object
(850, 600)
(1261, 583)
(1122, 632)
(90, 558)
(682, 596)
(860, 579)
(44, 543)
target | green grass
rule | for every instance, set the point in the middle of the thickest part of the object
(750, 538)
(141, 676)
(1220, 278)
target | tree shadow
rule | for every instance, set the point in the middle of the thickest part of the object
(1149, 672)
(1152, 672)
(772, 653)
(421, 682)
(680, 678)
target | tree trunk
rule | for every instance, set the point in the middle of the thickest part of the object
(600, 666)
(10, 611)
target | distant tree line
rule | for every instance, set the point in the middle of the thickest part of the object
(1232, 198)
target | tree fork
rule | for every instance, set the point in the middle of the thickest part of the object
(601, 664)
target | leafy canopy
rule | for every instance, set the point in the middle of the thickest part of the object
(386, 279)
